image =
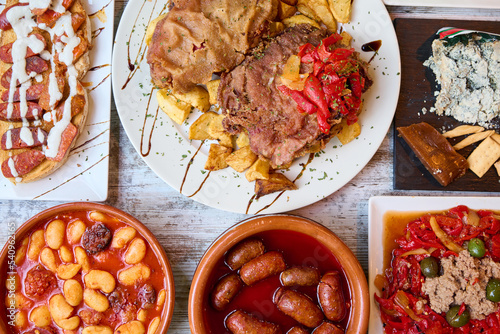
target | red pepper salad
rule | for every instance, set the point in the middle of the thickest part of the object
(333, 86)
(438, 236)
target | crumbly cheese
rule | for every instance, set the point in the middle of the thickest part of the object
(469, 76)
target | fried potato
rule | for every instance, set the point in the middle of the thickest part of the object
(348, 132)
(341, 10)
(322, 11)
(199, 129)
(176, 109)
(241, 159)
(275, 182)
(484, 156)
(346, 39)
(197, 98)
(242, 140)
(290, 2)
(299, 19)
(462, 130)
(216, 131)
(474, 138)
(217, 157)
(275, 28)
(151, 28)
(285, 10)
(213, 87)
(258, 171)
(304, 8)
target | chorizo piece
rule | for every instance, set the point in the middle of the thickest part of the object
(147, 296)
(96, 238)
(297, 330)
(6, 50)
(13, 138)
(300, 276)
(33, 64)
(240, 322)
(23, 163)
(34, 112)
(39, 281)
(263, 266)
(68, 135)
(328, 328)
(225, 290)
(331, 297)
(33, 93)
(299, 307)
(243, 252)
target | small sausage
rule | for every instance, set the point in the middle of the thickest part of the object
(33, 93)
(14, 138)
(328, 328)
(225, 290)
(240, 322)
(6, 50)
(96, 238)
(243, 252)
(297, 330)
(33, 64)
(298, 306)
(34, 112)
(147, 296)
(263, 266)
(23, 163)
(331, 297)
(300, 276)
(68, 135)
(39, 281)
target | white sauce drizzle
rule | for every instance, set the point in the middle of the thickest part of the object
(8, 139)
(39, 4)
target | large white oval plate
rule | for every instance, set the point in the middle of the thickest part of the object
(165, 146)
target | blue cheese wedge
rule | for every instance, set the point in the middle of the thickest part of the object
(469, 76)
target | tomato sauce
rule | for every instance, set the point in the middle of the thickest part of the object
(298, 250)
(110, 260)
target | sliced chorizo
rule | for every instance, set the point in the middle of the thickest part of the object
(68, 135)
(96, 238)
(33, 93)
(298, 307)
(6, 50)
(23, 137)
(225, 290)
(300, 276)
(240, 322)
(331, 297)
(34, 112)
(243, 252)
(33, 64)
(263, 266)
(22, 163)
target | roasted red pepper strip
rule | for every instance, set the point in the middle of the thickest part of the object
(324, 49)
(340, 54)
(302, 102)
(314, 92)
(306, 53)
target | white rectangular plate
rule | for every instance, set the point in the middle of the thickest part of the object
(84, 176)
(446, 3)
(378, 206)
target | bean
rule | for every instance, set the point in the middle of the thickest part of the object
(18, 300)
(243, 252)
(132, 327)
(136, 251)
(13, 283)
(36, 244)
(48, 259)
(134, 274)
(142, 315)
(68, 324)
(263, 266)
(66, 254)
(123, 236)
(21, 251)
(101, 217)
(153, 325)
(75, 231)
(73, 292)
(59, 308)
(161, 298)
(54, 233)
(95, 300)
(97, 330)
(40, 316)
(67, 271)
(82, 258)
(100, 280)
(21, 319)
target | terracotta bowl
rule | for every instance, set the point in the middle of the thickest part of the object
(153, 243)
(356, 280)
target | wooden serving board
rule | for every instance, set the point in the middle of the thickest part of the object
(418, 84)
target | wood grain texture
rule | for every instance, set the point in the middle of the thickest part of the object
(418, 85)
(186, 228)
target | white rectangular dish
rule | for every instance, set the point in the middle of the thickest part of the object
(84, 176)
(378, 206)
(446, 3)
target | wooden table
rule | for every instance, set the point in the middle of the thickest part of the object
(186, 228)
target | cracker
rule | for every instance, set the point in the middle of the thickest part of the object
(484, 156)
(474, 138)
(463, 130)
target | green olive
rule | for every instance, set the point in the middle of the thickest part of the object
(456, 320)
(429, 266)
(493, 290)
(476, 248)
